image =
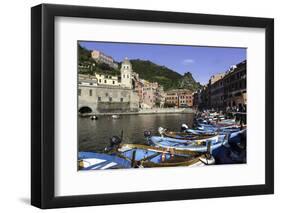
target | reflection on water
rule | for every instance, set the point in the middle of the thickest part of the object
(94, 134)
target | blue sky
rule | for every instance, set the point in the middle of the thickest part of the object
(202, 62)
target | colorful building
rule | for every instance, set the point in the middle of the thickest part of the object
(100, 57)
(235, 86)
(179, 98)
(225, 91)
(216, 90)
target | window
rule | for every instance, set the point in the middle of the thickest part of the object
(90, 92)
(110, 99)
(105, 81)
(99, 98)
(79, 92)
(121, 99)
(106, 94)
(91, 83)
(127, 76)
(99, 80)
(113, 82)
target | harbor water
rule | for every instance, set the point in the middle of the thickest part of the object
(94, 134)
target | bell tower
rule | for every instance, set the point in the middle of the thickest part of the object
(126, 74)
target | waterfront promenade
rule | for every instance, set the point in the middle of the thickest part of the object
(148, 111)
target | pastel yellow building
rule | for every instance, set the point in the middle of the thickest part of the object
(107, 80)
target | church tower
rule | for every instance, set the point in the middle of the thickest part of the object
(126, 74)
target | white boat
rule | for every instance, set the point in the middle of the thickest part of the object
(100, 161)
(115, 116)
(191, 145)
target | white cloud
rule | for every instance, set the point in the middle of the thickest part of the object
(188, 61)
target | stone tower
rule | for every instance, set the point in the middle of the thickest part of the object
(126, 74)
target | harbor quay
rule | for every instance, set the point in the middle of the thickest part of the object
(146, 112)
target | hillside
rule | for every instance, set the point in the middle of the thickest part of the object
(84, 55)
(166, 77)
(87, 65)
(154, 73)
(147, 70)
(187, 82)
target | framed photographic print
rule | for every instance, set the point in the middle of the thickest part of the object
(139, 106)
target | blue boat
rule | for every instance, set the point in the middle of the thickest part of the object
(143, 156)
(100, 161)
(229, 136)
(191, 145)
(234, 151)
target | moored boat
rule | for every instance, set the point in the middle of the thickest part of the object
(94, 117)
(190, 145)
(100, 161)
(144, 156)
(188, 134)
(115, 116)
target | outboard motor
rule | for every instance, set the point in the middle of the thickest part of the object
(161, 131)
(147, 134)
(114, 142)
(184, 127)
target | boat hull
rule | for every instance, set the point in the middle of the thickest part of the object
(100, 161)
(147, 156)
(195, 146)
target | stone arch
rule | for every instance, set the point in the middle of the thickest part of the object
(85, 109)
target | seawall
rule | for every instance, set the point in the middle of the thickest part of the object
(148, 111)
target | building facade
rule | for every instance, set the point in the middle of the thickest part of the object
(171, 99)
(126, 74)
(110, 80)
(235, 87)
(106, 93)
(100, 57)
(150, 94)
(107, 99)
(225, 91)
(216, 90)
(180, 98)
(120, 93)
(185, 98)
(87, 80)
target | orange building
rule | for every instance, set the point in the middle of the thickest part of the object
(179, 98)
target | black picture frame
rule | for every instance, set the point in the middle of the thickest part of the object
(43, 102)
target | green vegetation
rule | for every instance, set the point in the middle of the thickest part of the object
(84, 55)
(106, 69)
(166, 77)
(87, 65)
(147, 70)
(154, 73)
(188, 82)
